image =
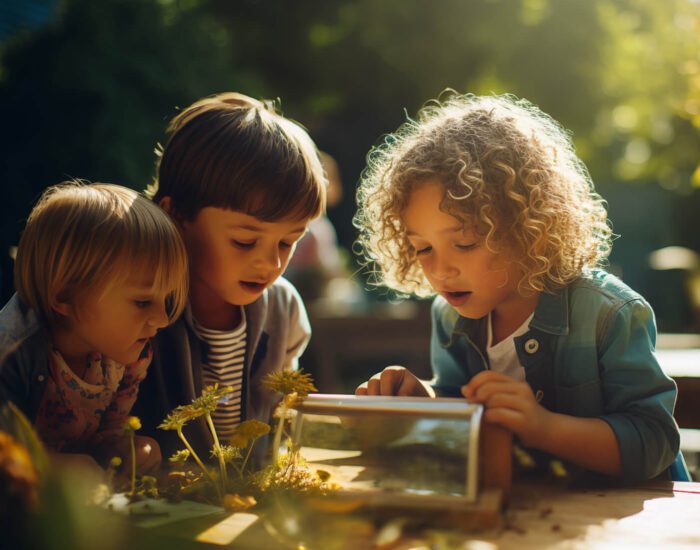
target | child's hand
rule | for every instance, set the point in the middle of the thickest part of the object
(511, 404)
(394, 381)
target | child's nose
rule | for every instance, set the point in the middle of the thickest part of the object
(442, 269)
(159, 319)
(270, 258)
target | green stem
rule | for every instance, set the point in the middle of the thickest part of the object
(217, 450)
(133, 464)
(277, 441)
(245, 460)
(238, 471)
(199, 462)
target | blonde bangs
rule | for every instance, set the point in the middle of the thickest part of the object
(151, 246)
(82, 239)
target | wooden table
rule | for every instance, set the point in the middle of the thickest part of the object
(546, 516)
(540, 515)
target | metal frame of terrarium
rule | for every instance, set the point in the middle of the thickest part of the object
(408, 407)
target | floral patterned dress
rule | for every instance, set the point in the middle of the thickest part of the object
(82, 414)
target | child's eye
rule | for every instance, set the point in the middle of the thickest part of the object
(142, 304)
(243, 245)
(424, 250)
(470, 246)
(286, 245)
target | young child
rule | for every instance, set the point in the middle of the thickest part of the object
(99, 270)
(483, 202)
(242, 183)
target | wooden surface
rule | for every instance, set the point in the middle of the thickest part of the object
(540, 516)
(545, 516)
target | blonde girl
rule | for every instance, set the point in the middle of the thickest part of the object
(483, 202)
(99, 270)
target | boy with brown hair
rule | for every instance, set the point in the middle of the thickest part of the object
(242, 184)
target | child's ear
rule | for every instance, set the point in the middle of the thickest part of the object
(60, 303)
(166, 204)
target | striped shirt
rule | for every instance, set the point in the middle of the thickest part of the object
(224, 366)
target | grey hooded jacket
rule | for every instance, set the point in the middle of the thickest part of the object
(278, 330)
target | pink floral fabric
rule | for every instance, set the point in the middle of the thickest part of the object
(80, 414)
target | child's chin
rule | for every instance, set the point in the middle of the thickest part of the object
(129, 357)
(244, 298)
(470, 312)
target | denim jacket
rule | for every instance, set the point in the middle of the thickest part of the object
(588, 352)
(24, 357)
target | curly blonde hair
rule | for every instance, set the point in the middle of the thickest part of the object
(509, 173)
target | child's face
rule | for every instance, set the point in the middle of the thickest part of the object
(234, 256)
(474, 280)
(117, 322)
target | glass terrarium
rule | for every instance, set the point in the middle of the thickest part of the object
(396, 452)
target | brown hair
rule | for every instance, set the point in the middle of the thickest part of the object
(82, 238)
(508, 170)
(232, 151)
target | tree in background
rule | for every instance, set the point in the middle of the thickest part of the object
(89, 95)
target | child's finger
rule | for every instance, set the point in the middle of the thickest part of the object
(361, 389)
(484, 392)
(373, 387)
(507, 418)
(390, 380)
(480, 379)
(502, 400)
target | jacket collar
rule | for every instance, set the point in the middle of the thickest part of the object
(552, 313)
(18, 321)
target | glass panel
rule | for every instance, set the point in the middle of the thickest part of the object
(402, 447)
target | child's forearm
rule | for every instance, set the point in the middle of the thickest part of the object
(587, 442)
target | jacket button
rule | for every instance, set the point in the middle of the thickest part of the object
(40, 378)
(531, 346)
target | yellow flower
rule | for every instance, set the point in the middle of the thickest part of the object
(180, 456)
(290, 381)
(228, 453)
(179, 417)
(133, 424)
(247, 432)
(115, 462)
(209, 400)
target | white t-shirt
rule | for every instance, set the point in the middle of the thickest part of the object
(224, 365)
(503, 356)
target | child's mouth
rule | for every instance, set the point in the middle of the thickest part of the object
(456, 299)
(253, 287)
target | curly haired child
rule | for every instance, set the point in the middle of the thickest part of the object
(483, 202)
(99, 270)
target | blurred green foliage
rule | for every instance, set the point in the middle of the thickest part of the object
(90, 94)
